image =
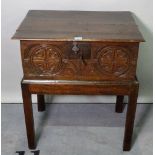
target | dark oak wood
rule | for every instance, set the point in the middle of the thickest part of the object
(130, 116)
(41, 102)
(94, 61)
(79, 87)
(91, 88)
(79, 53)
(119, 104)
(90, 25)
(27, 103)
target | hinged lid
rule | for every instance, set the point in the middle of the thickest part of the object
(86, 25)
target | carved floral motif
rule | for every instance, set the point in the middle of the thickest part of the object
(50, 60)
(113, 60)
(45, 59)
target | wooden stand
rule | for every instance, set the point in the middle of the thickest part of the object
(79, 53)
(41, 87)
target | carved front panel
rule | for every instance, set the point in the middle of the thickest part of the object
(92, 61)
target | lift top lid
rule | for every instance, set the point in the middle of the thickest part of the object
(79, 25)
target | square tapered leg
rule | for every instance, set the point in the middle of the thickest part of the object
(41, 102)
(119, 104)
(28, 111)
(130, 117)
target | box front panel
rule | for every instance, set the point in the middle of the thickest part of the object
(79, 60)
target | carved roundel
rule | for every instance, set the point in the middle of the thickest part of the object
(113, 60)
(45, 59)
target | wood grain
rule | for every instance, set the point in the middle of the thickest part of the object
(28, 111)
(79, 53)
(90, 25)
(93, 61)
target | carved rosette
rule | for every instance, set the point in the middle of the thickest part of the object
(44, 59)
(113, 60)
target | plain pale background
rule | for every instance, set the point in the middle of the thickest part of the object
(13, 13)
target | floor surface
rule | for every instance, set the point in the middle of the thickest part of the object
(77, 129)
